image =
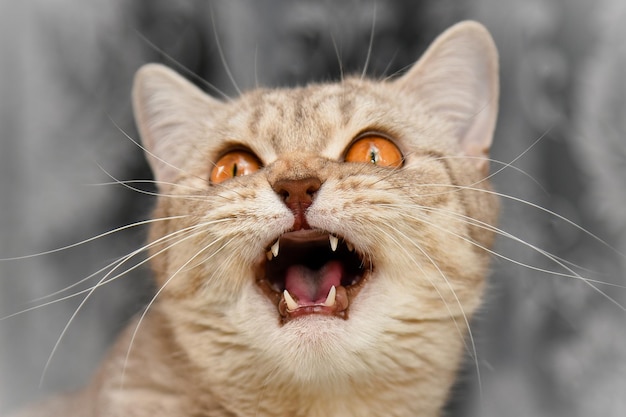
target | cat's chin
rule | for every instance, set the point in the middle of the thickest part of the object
(311, 272)
(311, 340)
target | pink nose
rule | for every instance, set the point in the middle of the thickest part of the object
(298, 196)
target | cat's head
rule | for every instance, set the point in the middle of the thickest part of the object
(330, 232)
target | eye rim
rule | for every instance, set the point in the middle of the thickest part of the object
(375, 134)
(232, 150)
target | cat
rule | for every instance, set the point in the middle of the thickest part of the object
(318, 251)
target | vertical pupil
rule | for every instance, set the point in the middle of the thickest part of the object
(373, 155)
(234, 170)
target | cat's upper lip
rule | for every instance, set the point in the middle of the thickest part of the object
(304, 235)
(311, 271)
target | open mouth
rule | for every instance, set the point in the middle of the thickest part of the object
(311, 272)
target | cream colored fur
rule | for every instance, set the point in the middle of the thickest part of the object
(211, 344)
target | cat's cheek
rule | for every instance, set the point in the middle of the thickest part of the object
(275, 218)
(328, 211)
(254, 309)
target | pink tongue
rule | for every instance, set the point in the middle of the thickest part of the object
(311, 287)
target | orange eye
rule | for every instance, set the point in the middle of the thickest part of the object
(375, 150)
(234, 164)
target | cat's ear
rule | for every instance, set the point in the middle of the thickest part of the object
(457, 77)
(169, 112)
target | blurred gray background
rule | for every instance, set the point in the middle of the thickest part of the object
(548, 345)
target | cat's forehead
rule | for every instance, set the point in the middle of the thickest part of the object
(319, 118)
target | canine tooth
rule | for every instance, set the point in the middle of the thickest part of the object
(275, 248)
(334, 241)
(330, 299)
(350, 246)
(291, 303)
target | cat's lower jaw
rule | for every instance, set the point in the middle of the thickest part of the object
(149, 373)
(175, 385)
(326, 366)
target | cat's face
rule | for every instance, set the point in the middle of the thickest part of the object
(327, 233)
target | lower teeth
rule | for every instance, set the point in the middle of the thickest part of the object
(292, 305)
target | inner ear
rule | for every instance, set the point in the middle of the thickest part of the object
(457, 79)
(171, 114)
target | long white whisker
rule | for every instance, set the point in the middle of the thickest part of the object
(338, 55)
(131, 255)
(116, 264)
(457, 188)
(532, 145)
(159, 291)
(550, 212)
(181, 66)
(384, 76)
(153, 182)
(503, 233)
(473, 351)
(572, 274)
(91, 239)
(107, 278)
(371, 44)
(256, 72)
(221, 52)
(90, 292)
(126, 184)
(505, 165)
(147, 151)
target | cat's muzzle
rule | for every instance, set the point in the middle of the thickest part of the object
(308, 272)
